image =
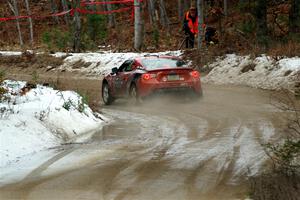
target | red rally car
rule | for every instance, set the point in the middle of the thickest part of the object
(140, 77)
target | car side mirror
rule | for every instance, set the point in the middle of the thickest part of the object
(114, 70)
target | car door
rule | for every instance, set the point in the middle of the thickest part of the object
(122, 77)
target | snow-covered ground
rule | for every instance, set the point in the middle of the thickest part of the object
(41, 118)
(262, 72)
(102, 63)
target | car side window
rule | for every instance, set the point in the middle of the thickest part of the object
(126, 66)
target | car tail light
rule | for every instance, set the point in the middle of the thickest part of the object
(195, 74)
(148, 76)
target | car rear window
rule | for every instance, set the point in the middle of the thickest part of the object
(162, 63)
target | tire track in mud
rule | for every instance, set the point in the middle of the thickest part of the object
(230, 131)
(167, 150)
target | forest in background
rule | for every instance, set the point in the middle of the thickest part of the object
(243, 25)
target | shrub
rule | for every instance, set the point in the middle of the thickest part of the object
(83, 102)
(286, 156)
(96, 27)
(34, 77)
(283, 181)
(156, 37)
(67, 104)
(57, 39)
(3, 91)
(2, 76)
(248, 26)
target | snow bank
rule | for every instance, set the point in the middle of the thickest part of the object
(262, 72)
(101, 63)
(40, 118)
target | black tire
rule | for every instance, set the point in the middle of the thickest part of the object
(106, 95)
(196, 95)
(133, 94)
(199, 94)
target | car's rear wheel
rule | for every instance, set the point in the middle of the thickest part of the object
(197, 95)
(106, 94)
(133, 94)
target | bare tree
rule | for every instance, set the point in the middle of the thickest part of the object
(200, 22)
(14, 8)
(180, 10)
(111, 17)
(261, 21)
(164, 20)
(225, 8)
(186, 4)
(54, 10)
(138, 25)
(294, 17)
(151, 10)
(30, 21)
(77, 28)
(65, 8)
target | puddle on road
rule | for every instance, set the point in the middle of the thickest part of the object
(116, 131)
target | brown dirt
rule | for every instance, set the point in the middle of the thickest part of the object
(29, 62)
(144, 157)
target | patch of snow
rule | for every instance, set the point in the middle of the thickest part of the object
(10, 53)
(22, 167)
(41, 118)
(262, 72)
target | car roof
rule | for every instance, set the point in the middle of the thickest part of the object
(140, 58)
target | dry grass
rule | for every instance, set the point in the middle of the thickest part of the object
(34, 61)
(81, 64)
(275, 186)
(290, 49)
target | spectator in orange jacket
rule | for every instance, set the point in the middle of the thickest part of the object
(190, 26)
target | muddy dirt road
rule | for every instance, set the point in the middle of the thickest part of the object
(169, 149)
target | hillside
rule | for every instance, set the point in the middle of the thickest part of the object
(237, 32)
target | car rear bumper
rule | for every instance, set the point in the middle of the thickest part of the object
(147, 89)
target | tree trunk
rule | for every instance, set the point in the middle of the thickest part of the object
(65, 8)
(54, 10)
(77, 28)
(180, 10)
(243, 6)
(200, 22)
(164, 20)
(138, 25)
(14, 8)
(30, 22)
(186, 4)
(294, 17)
(225, 8)
(154, 22)
(111, 17)
(261, 21)
(151, 10)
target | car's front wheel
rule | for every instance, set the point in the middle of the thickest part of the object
(106, 94)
